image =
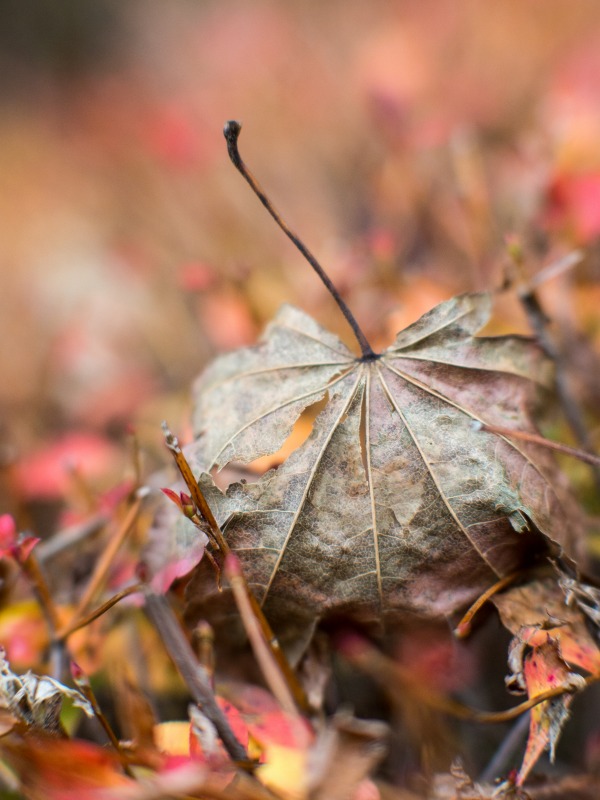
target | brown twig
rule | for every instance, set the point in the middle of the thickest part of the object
(265, 657)
(205, 511)
(396, 679)
(83, 684)
(58, 650)
(526, 705)
(107, 557)
(197, 496)
(37, 579)
(67, 630)
(589, 458)
(193, 674)
(539, 323)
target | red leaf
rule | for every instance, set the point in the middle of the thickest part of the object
(11, 545)
(543, 670)
(46, 472)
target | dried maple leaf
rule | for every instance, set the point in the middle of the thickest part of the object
(550, 638)
(396, 503)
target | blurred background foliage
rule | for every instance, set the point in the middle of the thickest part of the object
(403, 140)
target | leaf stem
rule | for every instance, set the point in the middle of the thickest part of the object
(231, 131)
(463, 629)
(399, 681)
(172, 443)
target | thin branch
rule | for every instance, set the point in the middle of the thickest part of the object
(37, 579)
(231, 131)
(83, 684)
(269, 665)
(526, 705)
(539, 323)
(397, 680)
(204, 509)
(582, 455)
(66, 631)
(198, 498)
(107, 557)
(194, 675)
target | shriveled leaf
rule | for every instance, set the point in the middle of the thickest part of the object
(36, 699)
(395, 503)
(543, 670)
(550, 638)
(537, 613)
(587, 597)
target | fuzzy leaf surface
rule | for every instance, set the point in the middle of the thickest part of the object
(396, 502)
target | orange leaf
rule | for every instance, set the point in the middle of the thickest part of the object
(59, 769)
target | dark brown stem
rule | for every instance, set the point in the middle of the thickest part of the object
(194, 675)
(539, 322)
(397, 680)
(84, 686)
(32, 570)
(231, 132)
